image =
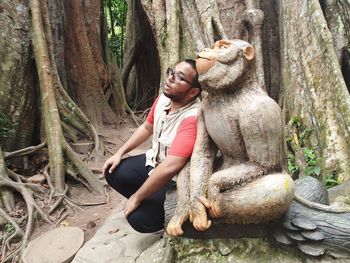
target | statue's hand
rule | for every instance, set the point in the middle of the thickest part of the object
(198, 214)
(175, 223)
(214, 201)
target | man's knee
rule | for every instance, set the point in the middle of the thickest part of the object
(114, 179)
(138, 223)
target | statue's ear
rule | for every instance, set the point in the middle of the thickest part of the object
(249, 52)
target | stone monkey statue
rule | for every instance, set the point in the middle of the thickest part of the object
(240, 122)
(236, 170)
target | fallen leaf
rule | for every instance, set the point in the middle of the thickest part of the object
(64, 223)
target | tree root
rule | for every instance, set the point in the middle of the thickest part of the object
(7, 240)
(32, 207)
(24, 151)
(48, 180)
(59, 200)
(73, 206)
(82, 170)
(132, 115)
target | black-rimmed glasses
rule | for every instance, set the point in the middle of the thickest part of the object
(177, 77)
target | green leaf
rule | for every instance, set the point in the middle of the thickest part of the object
(296, 121)
(331, 180)
(317, 170)
(309, 154)
(309, 170)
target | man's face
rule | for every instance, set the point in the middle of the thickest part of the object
(178, 83)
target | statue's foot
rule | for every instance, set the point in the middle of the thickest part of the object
(174, 227)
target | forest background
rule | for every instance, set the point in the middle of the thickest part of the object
(69, 69)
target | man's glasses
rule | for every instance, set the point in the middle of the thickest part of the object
(177, 77)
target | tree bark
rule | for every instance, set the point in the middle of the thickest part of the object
(313, 84)
(52, 121)
(141, 70)
(18, 91)
(83, 56)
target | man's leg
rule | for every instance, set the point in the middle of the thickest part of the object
(149, 216)
(128, 177)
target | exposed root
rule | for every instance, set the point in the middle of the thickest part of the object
(32, 207)
(18, 178)
(73, 206)
(7, 240)
(61, 218)
(24, 151)
(82, 170)
(87, 204)
(48, 180)
(59, 200)
(133, 117)
(7, 199)
(12, 255)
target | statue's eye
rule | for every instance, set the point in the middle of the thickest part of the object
(223, 46)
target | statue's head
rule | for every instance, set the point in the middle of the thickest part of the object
(222, 66)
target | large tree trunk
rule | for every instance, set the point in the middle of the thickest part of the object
(313, 84)
(141, 70)
(87, 70)
(18, 92)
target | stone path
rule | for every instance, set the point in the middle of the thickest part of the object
(115, 242)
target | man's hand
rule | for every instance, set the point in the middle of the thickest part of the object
(198, 214)
(111, 163)
(131, 204)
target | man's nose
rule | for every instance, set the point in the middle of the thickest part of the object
(171, 77)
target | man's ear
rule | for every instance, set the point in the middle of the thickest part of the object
(194, 92)
(249, 52)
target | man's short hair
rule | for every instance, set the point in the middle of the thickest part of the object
(195, 82)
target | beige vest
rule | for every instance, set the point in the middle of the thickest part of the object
(165, 127)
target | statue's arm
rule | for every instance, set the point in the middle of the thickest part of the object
(202, 161)
(261, 129)
(181, 213)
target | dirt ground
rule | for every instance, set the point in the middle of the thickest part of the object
(94, 216)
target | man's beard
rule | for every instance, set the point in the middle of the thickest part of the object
(175, 98)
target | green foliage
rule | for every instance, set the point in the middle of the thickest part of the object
(297, 144)
(4, 124)
(292, 167)
(312, 168)
(115, 11)
(9, 228)
(296, 121)
(331, 180)
(303, 136)
(164, 37)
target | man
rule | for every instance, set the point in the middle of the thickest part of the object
(144, 179)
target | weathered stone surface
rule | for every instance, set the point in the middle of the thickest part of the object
(55, 246)
(112, 245)
(241, 250)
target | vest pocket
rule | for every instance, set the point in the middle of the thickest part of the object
(164, 144)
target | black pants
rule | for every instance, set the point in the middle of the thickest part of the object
(127, 178)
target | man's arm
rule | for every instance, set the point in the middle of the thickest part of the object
(141, 134)
(161, 175)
